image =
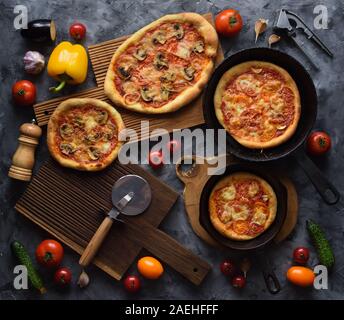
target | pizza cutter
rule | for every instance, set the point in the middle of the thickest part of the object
(131, 195)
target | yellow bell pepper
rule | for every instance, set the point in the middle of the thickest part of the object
(68, 64)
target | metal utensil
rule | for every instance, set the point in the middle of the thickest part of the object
(287, 22)
(131, 195)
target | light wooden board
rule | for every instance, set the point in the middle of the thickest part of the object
(100, 55)
(195, 179)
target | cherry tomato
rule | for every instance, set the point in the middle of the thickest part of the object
(77, 31)
(173, 146)
(228, 268)
(301, 276)
(24, 93)
(132, 284)
(49, 253)
(63, 277)
(301, 255)
(228, 22)
(239, 282)
(318, 143)
(150, 268)
(156, 159)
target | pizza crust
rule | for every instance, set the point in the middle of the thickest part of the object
(53, 127)
(240, 68)
(220, 226)
(209, 34)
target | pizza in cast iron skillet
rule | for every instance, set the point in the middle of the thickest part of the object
(164, 65)
(83, 134)
(242, 206)
(258, 103)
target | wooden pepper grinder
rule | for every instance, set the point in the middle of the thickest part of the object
(24, 158)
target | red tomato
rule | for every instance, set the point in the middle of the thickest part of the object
(239, 282)
(132, 284)
(228, 22)
(24, 93)
(318, 143)
(173, 146)
(77, 31)
(228, 268)
(301, 255)
(155, 159)
(63, 277)
(49, 253)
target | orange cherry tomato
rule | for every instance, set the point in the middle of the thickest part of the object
(150, 268)
(301, 276)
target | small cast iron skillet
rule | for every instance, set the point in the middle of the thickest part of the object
(307, 119)
(257, 245)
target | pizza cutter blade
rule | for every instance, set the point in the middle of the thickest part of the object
(131, 195)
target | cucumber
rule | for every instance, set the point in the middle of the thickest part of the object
(324, 250)
(35, 279)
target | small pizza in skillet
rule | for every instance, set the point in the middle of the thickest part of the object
(83, 134)
(258, 103)
(163, 66)
(242, 206)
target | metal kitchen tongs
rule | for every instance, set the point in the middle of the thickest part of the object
(287, 22)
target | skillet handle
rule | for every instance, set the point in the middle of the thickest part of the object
(326, 189)
(270, 278)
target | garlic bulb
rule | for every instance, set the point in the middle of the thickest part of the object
(33, 62)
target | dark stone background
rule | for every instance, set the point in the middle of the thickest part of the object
(109, 19)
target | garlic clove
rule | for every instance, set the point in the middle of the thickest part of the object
(84, 279)
(260, 26)
(273, 39)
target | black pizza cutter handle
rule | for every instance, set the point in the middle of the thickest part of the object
(271, 281)
(326, 189)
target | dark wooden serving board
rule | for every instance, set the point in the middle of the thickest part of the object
(69, 204)
(100, 56)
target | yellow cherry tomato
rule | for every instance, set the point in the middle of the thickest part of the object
(150, 268)
(301, 276)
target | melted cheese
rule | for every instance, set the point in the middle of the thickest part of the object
(151, 74)
(239, 212)
(253, 189)
(90, 123)
(247, 82)
(183, 51)
(228, 193)
(277, 103)
(225, 216)
(130, 87)
(259, 216)
(105, 147)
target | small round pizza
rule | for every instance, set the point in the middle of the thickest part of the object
(83, 134)
(258, 103)
(242, 206)
(163, 66)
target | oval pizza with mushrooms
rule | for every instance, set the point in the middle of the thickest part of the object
(242, 206)
(83, 134)
(258, 103)
(164, 65)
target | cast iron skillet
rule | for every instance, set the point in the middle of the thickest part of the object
(307, 119)
(258, 244)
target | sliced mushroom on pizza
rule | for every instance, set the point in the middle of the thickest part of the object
(83, 134)
(163, 66)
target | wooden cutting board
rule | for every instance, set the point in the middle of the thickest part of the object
(197, 176)
(100, 55)
(70, 205)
